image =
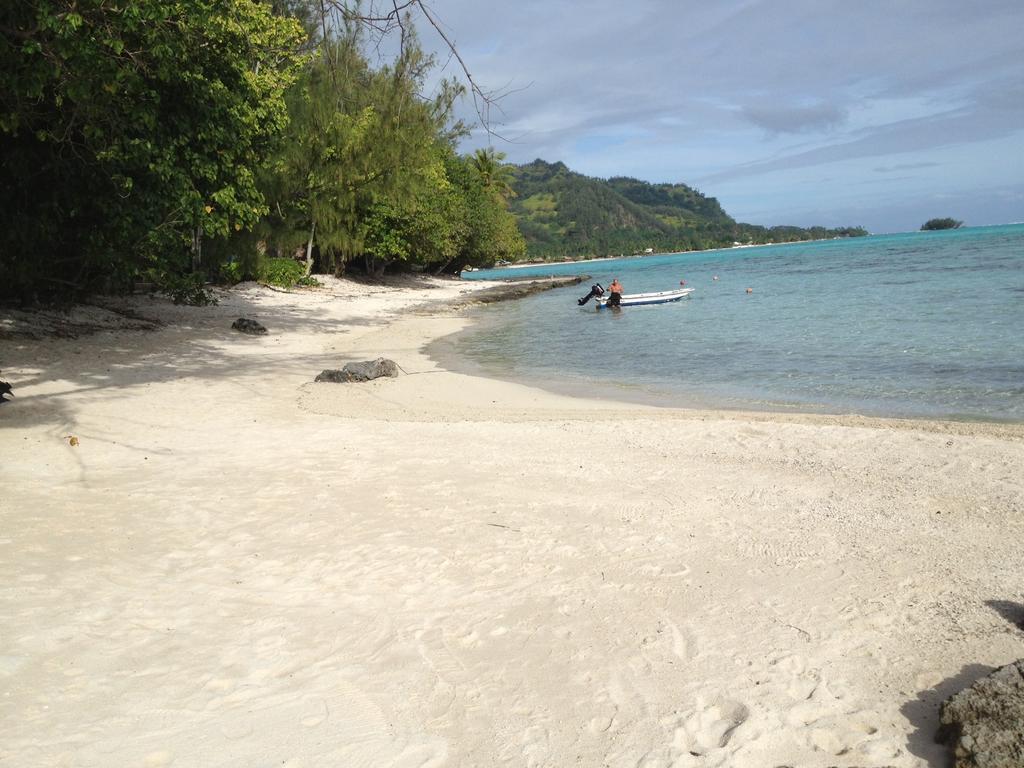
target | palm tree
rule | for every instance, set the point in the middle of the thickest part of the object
(494, 175)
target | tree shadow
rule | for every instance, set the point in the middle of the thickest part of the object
(1009, 610)
(123, 343)
(195, 343)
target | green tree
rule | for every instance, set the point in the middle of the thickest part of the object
(492, 230)
(935, 224)
(429, 231)
(360, 144)
(129, 130)
(495, 176)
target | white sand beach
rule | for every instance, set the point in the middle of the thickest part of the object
(235, 566)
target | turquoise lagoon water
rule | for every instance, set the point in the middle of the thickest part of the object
(906, 325)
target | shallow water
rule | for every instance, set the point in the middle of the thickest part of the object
(908, 325)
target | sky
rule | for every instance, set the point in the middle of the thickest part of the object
(804, 112)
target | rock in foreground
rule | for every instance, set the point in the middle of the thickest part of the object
(985, 723)
(365, 371)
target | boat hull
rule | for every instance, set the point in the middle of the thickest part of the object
(639, 299)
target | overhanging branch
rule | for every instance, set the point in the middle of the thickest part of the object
(387, 20)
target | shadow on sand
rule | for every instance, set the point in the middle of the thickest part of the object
(197, 344)
(923, 710)
(923, 714)
(1012, 612)
(128, 344)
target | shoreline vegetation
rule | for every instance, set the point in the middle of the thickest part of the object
(195, 527)
(598, 259)
(328, 164)
(329, 160)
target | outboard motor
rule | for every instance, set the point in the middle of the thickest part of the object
(595, 291)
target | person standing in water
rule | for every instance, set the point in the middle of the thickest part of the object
(615, 291)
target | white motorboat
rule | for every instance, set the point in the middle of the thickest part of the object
(638, 299)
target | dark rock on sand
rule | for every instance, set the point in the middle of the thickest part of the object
(5, 389)
(245, 325)
(984, 724)
(365, 371)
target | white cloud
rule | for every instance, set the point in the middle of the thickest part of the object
(720, 94)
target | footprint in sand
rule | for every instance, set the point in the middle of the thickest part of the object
(601, 723)
(709, 728)
(470, 640)
(668, 644)
(825, 740)
(536, 745)
(158, 759)
(803, 686)
(314, 712)
(236, 728)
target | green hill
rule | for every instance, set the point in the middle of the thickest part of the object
(566, 214)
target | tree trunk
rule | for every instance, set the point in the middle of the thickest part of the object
(444, 266)
(309, 250)
(197, 248)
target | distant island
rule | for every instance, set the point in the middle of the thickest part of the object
(563, 214)
(933, 224)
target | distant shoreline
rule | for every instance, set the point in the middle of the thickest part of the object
(597, 259)
(623, 257)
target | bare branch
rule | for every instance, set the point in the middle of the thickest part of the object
(482, 100)
(383, 22)
(398, 18)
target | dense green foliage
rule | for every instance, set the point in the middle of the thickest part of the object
(181, 140)
(933, 224)
(282, 272)
(367, 175)
(129, 130)
(564, 214)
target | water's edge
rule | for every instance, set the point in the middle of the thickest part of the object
(445, 353)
